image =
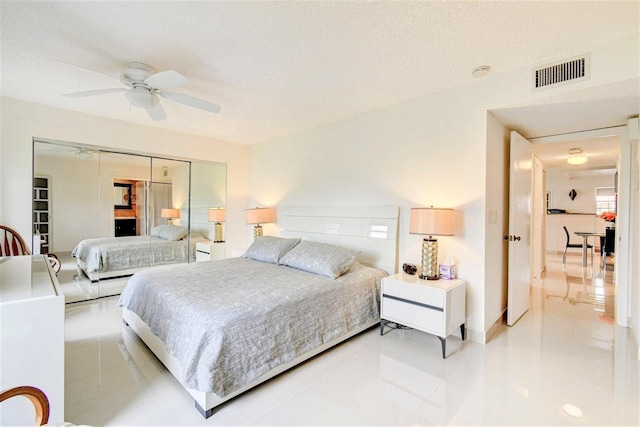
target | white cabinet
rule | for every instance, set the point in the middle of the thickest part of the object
(209, 251)
(32, 336)
(433, 306)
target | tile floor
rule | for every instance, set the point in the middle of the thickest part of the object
(564, 351)
(76, 286)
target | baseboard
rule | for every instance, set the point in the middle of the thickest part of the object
(486, 336)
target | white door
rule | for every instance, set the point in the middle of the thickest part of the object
(519, 228)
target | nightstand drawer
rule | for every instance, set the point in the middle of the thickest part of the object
(409, 313)
(419, 293)
(209, 251)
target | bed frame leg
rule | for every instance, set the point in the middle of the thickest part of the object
(204, 413)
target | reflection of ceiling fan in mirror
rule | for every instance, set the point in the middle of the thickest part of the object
(144, 86)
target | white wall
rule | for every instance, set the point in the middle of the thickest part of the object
(560, 184)
(432, 150)
(634, 235)
(22, 121)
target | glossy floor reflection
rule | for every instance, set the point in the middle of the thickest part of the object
(563, 357)
(76, 286)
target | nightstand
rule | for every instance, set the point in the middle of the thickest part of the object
(433, 306)
(209, 251)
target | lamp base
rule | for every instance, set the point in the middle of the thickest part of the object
(217, 233)
(257, 232)
(429, 259)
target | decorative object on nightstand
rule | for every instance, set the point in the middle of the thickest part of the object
(170, 214)
(409, 268)
(433, 222)
(217, 215)
(259, 216)
(433, 306)
(448, 269)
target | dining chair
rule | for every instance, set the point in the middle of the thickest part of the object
(570, 245)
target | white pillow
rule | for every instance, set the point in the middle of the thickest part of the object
(320, 258)
(169, 232)
(270, 249)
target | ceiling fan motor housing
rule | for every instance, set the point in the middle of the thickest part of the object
(136, 73)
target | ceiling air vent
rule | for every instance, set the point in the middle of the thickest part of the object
(571, 71)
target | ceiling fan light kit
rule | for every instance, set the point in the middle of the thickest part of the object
(141, 97)
(145, 86)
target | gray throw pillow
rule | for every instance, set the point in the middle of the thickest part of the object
(320, 258)
(270, 248)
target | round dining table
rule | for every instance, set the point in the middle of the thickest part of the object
(585, 236)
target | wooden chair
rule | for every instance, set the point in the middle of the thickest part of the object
(36, 396)
(12, 244)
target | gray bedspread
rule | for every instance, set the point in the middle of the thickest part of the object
(228, 322)
(122, 253)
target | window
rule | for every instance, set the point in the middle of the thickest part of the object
(605, 200)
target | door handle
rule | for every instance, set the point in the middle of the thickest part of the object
(512, 238)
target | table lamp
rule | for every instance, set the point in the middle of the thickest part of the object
(433, 222)
(259, 216)
(170, 214)
(217, 215)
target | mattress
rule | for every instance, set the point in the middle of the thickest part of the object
(228, 322)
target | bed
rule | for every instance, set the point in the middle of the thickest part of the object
(223, 327)
(111, 257)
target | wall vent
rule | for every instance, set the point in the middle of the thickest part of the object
(570, 71)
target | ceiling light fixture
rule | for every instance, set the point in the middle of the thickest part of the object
(572, 410)
(141, 97)
(480, 71)
(576, 157)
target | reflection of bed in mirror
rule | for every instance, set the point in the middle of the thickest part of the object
(111, 257)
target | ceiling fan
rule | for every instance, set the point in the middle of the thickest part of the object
(143, 87)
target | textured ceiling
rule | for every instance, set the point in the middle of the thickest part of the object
(280, 67)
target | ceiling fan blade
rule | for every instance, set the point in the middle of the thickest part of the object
(166, 79)
(191, 101)
(156, 112)
(94, 92)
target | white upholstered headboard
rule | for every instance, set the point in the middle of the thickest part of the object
(372, 230)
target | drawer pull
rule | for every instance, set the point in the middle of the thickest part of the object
(430, 307)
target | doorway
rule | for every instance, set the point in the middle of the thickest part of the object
(616, 136)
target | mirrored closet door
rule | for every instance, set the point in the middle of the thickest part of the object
(108, 214)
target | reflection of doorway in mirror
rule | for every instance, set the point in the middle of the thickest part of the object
(41, 206)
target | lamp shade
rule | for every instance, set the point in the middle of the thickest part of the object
(217, 214)
(260, 215)
(432, 221)
(170, 213)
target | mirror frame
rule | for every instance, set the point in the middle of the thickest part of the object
(128, 193)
